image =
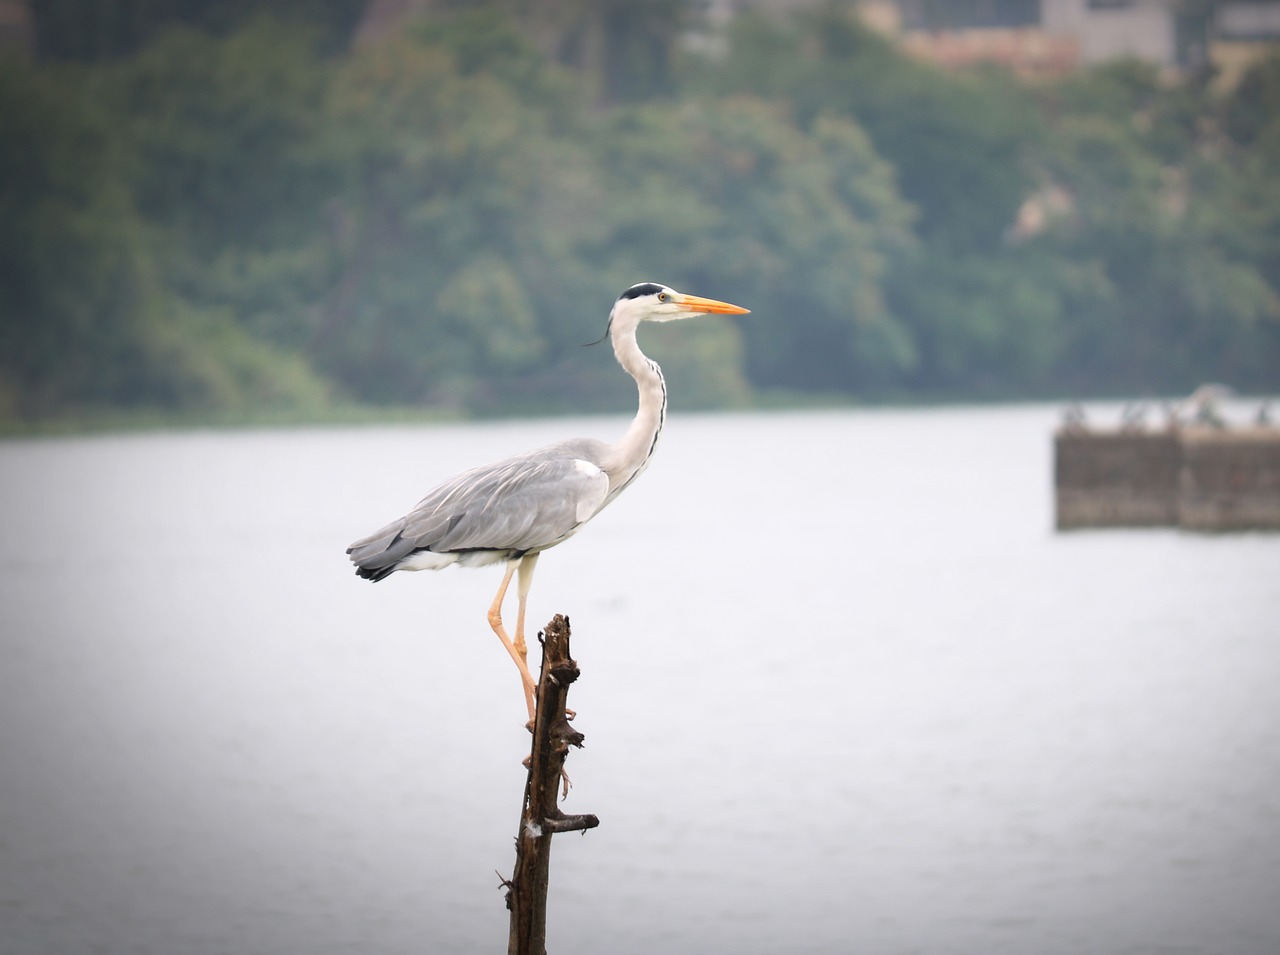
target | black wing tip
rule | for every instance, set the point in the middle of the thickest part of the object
(374, 574)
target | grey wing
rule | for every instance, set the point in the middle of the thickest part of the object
(525, 503)
(521, 504)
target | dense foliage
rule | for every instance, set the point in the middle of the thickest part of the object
(224, 206)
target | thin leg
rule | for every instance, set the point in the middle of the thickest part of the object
(495, 621)
(527, 566)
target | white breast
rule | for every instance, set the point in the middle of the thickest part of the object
(588, 506)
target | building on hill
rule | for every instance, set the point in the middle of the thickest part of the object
(1052, 37)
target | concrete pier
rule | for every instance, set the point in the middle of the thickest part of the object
(1198, 478)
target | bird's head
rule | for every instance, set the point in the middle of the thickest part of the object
(651, 302)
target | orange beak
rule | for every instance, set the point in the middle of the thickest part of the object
(709, 306)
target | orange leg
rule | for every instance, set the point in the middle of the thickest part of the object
(515, 649)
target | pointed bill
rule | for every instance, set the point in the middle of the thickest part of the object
(709, 306)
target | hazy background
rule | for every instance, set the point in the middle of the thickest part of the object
(236, 210)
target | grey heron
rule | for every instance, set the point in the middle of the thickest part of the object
(513, 510)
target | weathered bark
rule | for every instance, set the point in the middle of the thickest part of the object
(540, 815)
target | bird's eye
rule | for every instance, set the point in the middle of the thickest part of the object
(662, 296)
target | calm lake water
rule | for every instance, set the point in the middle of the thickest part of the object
(844, 691)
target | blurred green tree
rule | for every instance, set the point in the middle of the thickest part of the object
(729, 194)
(447, 173)
(87, 320)
(1154, 207)
(75, 284)
(98, 30)
(220, 206)
(231, 169)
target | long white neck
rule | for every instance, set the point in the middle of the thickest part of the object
(631, 455)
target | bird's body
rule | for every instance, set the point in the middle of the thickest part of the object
(516, 508)
(493, 513)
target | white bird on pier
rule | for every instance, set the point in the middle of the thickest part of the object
(515, 509)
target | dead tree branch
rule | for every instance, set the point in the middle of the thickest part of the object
(540, 816)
